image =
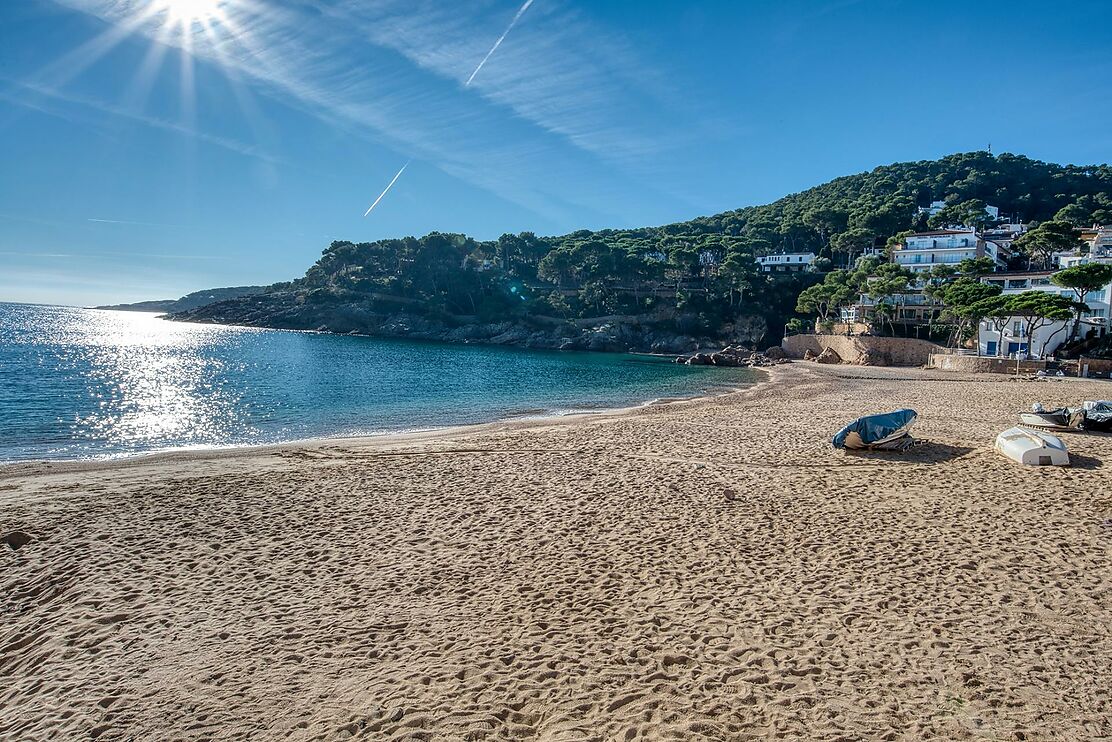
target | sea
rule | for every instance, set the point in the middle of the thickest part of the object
(89, 384)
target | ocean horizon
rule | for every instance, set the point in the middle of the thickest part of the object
(81, 383)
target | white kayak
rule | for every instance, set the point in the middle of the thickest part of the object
(1032, 448)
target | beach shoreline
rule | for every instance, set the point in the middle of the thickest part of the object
(19, 468)
(704, 569)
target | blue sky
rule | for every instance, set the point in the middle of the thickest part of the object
(157, 147)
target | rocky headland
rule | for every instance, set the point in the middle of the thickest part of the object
(289, 311)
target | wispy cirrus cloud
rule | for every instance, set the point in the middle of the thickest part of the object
(559, 71)
(32, 255)
(46, 100)
(129, 223)
(560, 97)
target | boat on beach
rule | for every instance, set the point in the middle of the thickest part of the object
(1062, 418)
(884, 432)
(1032, 447)
(1091, 416)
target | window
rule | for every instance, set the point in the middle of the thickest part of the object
(1017, 328)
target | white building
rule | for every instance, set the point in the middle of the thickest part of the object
(1046, 338)
(1099, 241)
(1002, 236)
(911, 308)
(937, 206)
(923, 251)
(794, 261)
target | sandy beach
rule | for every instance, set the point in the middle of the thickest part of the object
(702, 570)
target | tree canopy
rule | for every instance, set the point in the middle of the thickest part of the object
(1043, 241)
(703, 272)
(1084, 279)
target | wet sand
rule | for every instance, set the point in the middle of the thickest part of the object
(699, 570)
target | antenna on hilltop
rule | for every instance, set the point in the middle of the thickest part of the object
(990, 148)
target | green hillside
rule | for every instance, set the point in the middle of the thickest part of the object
(694, 279)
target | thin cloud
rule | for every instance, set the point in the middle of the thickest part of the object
(47, 94)
(513, 22)
(157, 256)
(565, 84)
(131, 223)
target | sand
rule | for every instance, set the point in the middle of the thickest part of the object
(704, 570)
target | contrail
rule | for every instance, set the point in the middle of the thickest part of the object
(388, 187)
(520, 12)
(513, 22)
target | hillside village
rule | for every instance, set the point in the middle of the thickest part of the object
(1036, 300)
(982, 253)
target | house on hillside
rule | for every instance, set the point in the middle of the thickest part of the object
(909, 309)
(1047, 338)
(1098, 249)
(1002, 236)
(787, 262)
(923, 251)
(937, 206)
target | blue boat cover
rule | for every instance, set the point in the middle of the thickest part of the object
(873, 428)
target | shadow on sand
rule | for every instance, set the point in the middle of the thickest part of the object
(926, 452)
(1080, 461)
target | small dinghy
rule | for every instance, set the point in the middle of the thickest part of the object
(1098, 416)
(1062, 418)
(1032, 448)
(886, 432)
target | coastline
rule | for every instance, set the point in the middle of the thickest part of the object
(384, 440)
(703, 569)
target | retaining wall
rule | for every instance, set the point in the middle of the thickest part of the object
(1097, 366)
(897, 351)
(982, 364)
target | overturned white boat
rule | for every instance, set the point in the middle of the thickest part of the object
(1032, 447)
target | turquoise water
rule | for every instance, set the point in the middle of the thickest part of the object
(82, 383)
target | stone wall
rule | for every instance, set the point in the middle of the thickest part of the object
(982, 364)
(864, 348)
(1101, 367)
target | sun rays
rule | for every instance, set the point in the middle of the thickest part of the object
(212, 30)
(191, 11)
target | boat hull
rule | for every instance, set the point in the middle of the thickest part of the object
(1032, 448)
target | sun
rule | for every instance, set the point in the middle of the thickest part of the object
(189, 11)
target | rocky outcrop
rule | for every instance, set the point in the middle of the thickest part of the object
(828, 355)
(731, 356)
(809, 355)
(383, 318)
